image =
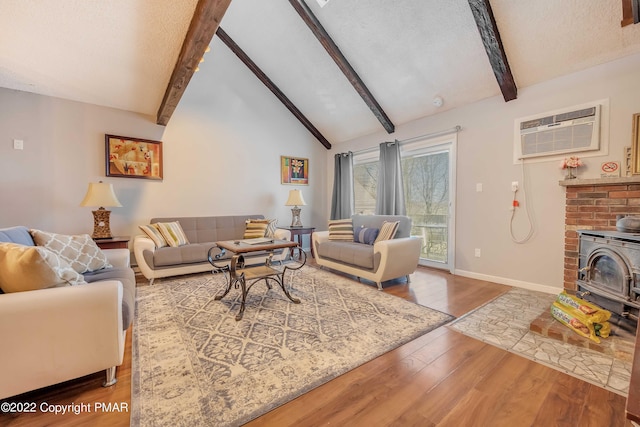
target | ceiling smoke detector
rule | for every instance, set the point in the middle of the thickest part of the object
(437, 102)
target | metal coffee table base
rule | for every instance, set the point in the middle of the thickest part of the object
(244, 278)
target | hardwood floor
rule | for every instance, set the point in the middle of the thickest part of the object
(440, 379)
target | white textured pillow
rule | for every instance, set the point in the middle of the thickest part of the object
(29, 268)
(154, 234)
(80, 251)
(271, 228)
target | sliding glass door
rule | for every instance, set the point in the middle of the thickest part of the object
(428, 172)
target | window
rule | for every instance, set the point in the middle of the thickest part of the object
(428, 176)
(365, 183)
(426, 192)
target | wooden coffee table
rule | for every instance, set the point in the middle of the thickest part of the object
(238, 275)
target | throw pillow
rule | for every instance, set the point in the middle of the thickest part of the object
(271, 229)
(172, 233)
(388, 231)
(366, 235)
(255, 228)
(80, 251)
(341, 229)
(154, 234)
(29, 268)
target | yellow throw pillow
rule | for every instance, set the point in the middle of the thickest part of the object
(79, 251)
(154, 234)
(341, 230)
(387, 231)
(255, 228)
(173, 233)
(29, 268)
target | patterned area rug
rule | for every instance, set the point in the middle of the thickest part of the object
(192, 360)
(504, 322)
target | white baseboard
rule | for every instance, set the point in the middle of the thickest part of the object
(510, 282)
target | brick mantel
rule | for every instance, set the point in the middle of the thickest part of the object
(600, 181)
(593, 204)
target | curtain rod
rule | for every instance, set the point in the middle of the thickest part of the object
(458, 128)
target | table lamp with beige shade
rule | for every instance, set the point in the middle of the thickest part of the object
(295, 199)
(101, 195)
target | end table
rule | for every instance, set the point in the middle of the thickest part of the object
(121, 242)
(300, 231)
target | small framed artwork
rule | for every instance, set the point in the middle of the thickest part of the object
(294, 170)
(133, 157)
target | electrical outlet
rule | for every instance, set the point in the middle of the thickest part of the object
(477, 252)
(18, 144)
(515, 185)
(479, 187)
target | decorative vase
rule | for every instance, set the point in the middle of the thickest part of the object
(570, 174)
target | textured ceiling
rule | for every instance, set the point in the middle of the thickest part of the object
(116, 53)
(120, 53)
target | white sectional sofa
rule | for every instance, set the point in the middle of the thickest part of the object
(60, 333)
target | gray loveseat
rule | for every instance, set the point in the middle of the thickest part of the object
(382, 261)
(202, 233)
(56, 334)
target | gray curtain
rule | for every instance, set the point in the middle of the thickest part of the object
(343, 200)
(390, 193)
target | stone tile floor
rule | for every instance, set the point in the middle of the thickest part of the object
(504, 322)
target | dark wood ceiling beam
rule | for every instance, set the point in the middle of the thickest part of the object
(271, 86)
(332, 49)
(205, 22)
(483, 15)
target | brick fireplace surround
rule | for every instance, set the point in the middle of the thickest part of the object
(593, 204)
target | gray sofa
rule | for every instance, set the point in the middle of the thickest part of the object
(202, 233)
(61, 333)
(382, 261)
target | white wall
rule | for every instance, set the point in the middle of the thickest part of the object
(222, 151)
(485, 155)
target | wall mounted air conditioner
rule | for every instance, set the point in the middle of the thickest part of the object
(564, 131)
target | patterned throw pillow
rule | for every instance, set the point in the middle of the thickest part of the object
(341, 229)
(154, 234)
(29, 268)
(366, 235)
(255, 228)
(271, 229)
(79, 251)
(172, 233)
(388, 231)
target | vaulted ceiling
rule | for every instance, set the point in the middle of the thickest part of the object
(123, 53)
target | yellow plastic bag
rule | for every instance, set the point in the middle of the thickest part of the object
(577, 321)
(591, 312)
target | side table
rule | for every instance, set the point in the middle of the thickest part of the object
(300, 231)
(113, 243)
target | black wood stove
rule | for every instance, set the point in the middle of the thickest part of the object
(609, 273)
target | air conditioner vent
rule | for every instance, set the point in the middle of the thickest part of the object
(572, 115)
(566, 131)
